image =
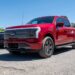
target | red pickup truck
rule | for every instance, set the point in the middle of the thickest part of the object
(41, 35)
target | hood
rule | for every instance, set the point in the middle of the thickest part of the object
(21, 26)
(29, 25)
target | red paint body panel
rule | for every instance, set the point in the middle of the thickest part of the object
(61, 36)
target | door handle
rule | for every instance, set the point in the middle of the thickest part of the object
(72, 32)
(69, 32)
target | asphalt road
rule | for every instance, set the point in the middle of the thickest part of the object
(61, 63)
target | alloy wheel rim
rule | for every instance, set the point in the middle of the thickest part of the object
(48, 47)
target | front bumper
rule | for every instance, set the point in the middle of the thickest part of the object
(22, 45)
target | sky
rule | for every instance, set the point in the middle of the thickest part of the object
(18, 12)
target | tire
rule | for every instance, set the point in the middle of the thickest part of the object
(1, 46)
(73, 46)
(14, 52)
(47, 48)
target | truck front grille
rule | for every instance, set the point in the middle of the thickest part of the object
(20, 33)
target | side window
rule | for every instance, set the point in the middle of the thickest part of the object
(66, 23)
(59, 20)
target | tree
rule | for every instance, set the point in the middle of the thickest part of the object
(1, 30)
(73, 24)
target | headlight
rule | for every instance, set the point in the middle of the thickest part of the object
(23, 33)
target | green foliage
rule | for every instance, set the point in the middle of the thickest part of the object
(73, 24)
(1, 30)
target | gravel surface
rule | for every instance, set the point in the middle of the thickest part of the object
(61, 63)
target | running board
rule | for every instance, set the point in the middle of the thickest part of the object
(64, 45)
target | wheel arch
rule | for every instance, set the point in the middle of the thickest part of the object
(50, 35)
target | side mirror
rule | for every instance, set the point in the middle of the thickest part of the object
(60, 24)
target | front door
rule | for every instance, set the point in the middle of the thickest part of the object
(63, 34)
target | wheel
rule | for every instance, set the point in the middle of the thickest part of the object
(14, 52)
(73, 46)
(47, 48)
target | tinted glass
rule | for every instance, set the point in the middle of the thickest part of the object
(42, 20)
(66, 23)
(60, 20)
(64, 20)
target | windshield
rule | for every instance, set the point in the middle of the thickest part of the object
(42, 20)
